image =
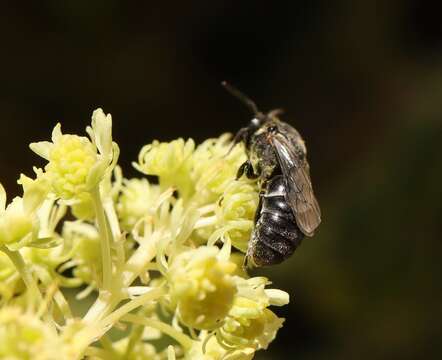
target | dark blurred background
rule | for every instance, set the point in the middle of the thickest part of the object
(361, 80)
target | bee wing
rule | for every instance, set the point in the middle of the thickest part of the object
(300, 194)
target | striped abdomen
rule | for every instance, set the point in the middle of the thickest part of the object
(276, 235)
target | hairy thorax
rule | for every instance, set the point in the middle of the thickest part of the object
(262, 156)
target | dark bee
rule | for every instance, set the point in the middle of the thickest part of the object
(288, 209)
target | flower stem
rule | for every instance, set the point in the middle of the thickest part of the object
(183, 339)
(25, 273)
(97, 329)
(106, 238)
(106, 301)
(114, 227)
(131, 305)
(134, 337)
(102, 306)
(138, 262)
(206, 221)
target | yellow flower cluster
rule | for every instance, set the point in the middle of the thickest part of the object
(70, 161)
(165, 256)
(205, 177)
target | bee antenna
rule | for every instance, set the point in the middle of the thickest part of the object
(242, 97)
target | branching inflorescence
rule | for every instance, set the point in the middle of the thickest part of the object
(164, 258)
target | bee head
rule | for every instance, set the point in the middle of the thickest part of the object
(257, 122)
(245, 134)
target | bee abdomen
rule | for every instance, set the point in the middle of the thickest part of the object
(276, 235)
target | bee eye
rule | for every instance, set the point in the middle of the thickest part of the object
(255, 122)
(272, 129)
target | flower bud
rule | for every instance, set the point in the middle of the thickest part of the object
(212, 350)
(70, 161)
(236, 211)
(25, 336)
(77, 164)
(171, 162)
(10, 283)
(83, 207)
(85, 243)
(17, 227)
(137, 199)
(202, 287)
(215, 165)
(250, 323)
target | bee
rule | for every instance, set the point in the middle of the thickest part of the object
(288, 210)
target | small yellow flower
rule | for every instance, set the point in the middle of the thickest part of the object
(85, 243)
(83, 207)
(24, 336)
(137, 200)
(77, 164)
(74, 338)
(215, 165)
(250, 323)
(17, 227)
(202, 287)
(10, 283)
(32, 225)
(35, 191)
(46, 258)
(252, 327)
(70, 161)
(212, 350)
(236, 211)
(171, 162)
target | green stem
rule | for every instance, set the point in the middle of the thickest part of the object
(134, 337)
(131, 305)
(107, 345)
(25, 273)
(137, 263)
(94, 332)
(58, 296)
(95, 352)
(167, 329)
(133, 268)
(105, 237)
(114, 227)
(102, 306)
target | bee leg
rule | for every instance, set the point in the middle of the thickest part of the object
(258, 209)
(246, 168)
(242, 169)
(250, 172)
(239, 136)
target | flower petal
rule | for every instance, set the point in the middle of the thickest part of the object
(42, 148)
(102, 128)
(2, 199)
(277, 297)
(96, 174)
(56, 132)
(34, 192)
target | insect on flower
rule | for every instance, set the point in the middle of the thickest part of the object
(288, 210)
